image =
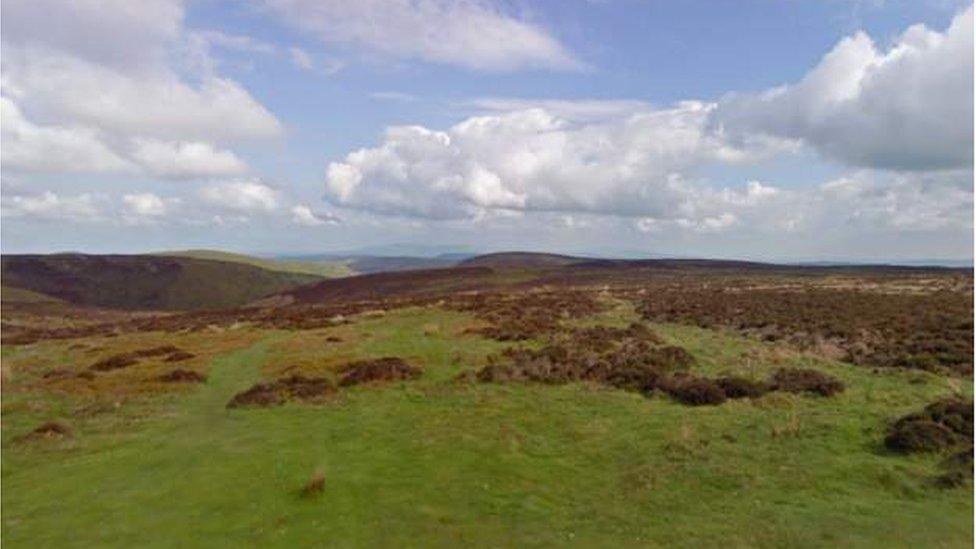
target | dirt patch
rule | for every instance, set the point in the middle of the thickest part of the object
(805, 380)
(182, 376)
(381, 369)
(296, 387)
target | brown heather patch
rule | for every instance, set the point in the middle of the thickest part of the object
(929, 331)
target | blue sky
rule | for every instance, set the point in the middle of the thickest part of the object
(775, 129)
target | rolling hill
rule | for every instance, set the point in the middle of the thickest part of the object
(531, 260)
(145, 282)
(326, 268)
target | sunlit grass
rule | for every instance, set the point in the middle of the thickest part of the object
(440, 462)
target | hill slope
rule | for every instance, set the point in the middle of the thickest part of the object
(147, 282)
(522, 260)
(324, 268)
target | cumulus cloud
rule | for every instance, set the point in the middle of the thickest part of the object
(907, 108)
(114, 76)
(303, 215)
(630, 163)
(471, 34)
(244, 196)
(146, 208)
(50, 206)
(31, 148)
(180, 160)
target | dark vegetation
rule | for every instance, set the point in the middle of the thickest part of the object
(877, 316)
(296, 387)
(635, 359)
(317, 389)
(182, 376)
(804, 380)
(943, 426)
(124, 360)
(380, 369)
(520, 316)
(145, 282)
(740, 387)
(929, 331)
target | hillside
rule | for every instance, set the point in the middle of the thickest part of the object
(522, 260)
(327, 268)
(145, 282)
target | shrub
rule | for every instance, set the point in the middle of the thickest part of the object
(182, 376)
(694, 391)
(381, 369)
(803, 380)
(919, 435)
(740, 387)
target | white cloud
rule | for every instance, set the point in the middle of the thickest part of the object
(51, 206)
(470, 34)
(106, 77)
(301, 59)
(152, 103)
(146, 208)
(181, 160)
(145, 204)
(907, 108)
(903, 202)
(103, 31)
(29, 147)
(630, 163)
(304, 216)
(241, 196)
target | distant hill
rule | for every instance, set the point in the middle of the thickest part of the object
(391, 284)
(366, 264)
(522, 259)
(144, 282)
(327, 268)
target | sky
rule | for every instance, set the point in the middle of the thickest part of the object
(775, 130)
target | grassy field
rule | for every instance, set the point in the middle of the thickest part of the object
(444, 462)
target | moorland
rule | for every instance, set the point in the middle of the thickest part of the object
(510, 399)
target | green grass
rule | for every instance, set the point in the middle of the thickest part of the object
(438, 462)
